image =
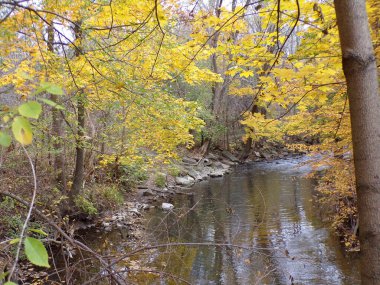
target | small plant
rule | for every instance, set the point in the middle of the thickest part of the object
(98, 198)
(108, 197)
(160, 180)
(85, 205)
(174, 170)
(10, 219)
(7, 203)
(13, 224)
(133, 175)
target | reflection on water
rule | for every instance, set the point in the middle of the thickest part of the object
(266, 206)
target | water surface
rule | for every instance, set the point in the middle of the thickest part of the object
(268, 211)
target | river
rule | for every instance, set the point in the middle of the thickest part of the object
(268, 213)
(258, 225)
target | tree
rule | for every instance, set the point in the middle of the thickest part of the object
(359, 66)
(81, 112)
(56, 127)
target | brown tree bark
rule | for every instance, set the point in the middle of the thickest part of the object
(81, 115)
(217, 86)
(56, 128)
(219, 102)
(359, 66)
(247, 146)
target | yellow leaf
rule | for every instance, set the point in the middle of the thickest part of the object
(22, 130)
(246, 73)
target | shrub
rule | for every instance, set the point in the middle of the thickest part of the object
(99, 197)
(107, 197)
(160, 180)
(174, 170)
(85, 205)
(131, 175)
(337, 191)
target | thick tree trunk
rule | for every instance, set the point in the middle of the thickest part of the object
(359, 65)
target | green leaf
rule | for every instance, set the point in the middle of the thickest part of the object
(22, 130)
(38, 231)
(30, 109)
(15, 240)
(51, 88)
(3, 275)
(36, 252)
(5, 139)
(51, 103)
(9, 283)
(25, 75)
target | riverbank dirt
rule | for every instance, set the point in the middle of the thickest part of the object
(192, 169)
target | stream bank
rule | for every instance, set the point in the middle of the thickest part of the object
(192, 169)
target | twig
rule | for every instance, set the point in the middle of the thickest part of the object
(27, 217)
(157, 18)
(299, 100)
(278, 23)
(341, 117)
(63, 233)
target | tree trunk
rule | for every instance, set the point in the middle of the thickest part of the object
(249, 143)
(217, 86)
(59, 159)
(359, 66)
(247, 146)
(79, 158)
(219, 104)
(81, 111)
